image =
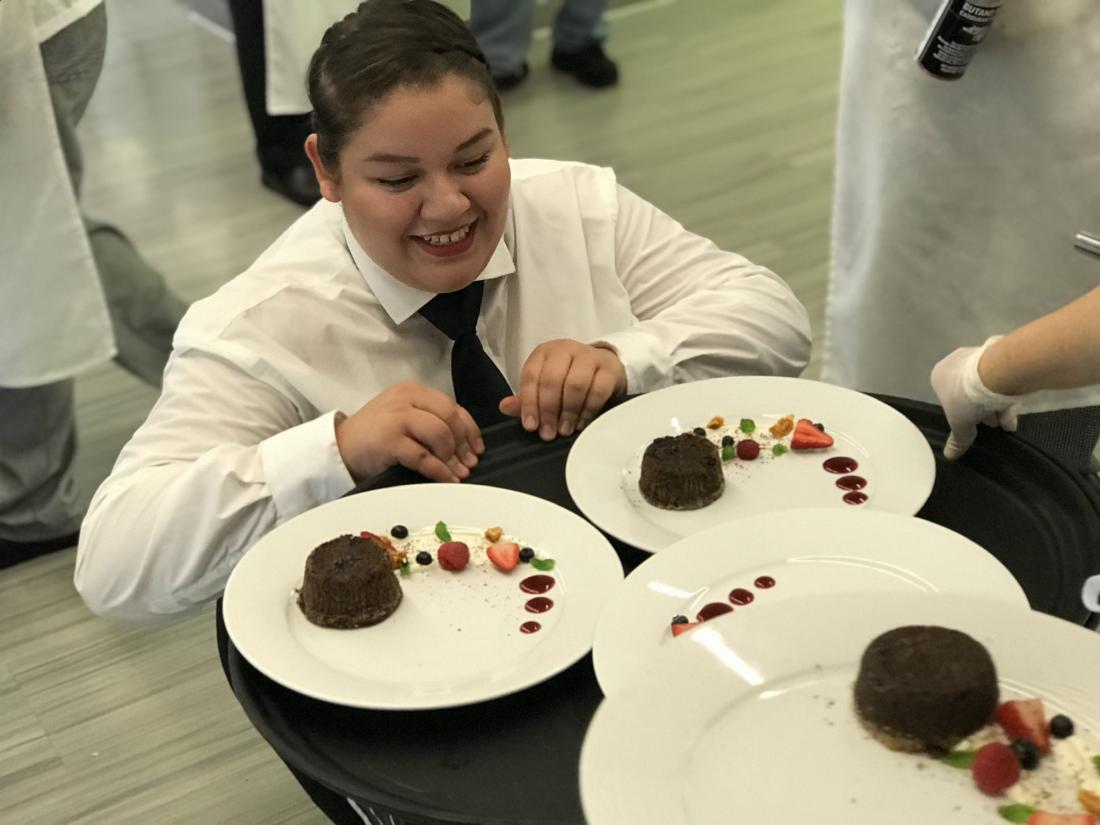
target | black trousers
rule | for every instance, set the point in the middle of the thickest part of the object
(279, 138)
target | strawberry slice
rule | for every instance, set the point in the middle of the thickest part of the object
(808, 437)
(1025, 719)
(453, 555)
(683, 627)
(1044, 818)
(504, 554)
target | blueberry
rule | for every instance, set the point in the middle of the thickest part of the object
(399, 531)
(820, 426)
(1026, 753)
(423, 557)
(679, 619)
(526, 554)
(700, 431)
(1061, 726)
(727, 441)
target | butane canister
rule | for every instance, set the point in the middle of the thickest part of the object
(959, 26)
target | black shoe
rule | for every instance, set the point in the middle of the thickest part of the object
(509, 80)
(589, 65)
(14, 552)
(298, 184)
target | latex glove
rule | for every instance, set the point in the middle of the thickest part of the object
(967, 402)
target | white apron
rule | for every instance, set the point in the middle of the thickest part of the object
(53, 315)
(292, 33)
(957, 202)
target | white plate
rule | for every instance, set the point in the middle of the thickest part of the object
(455, 638)
(805, 552)
(604, 462)
(752, 721)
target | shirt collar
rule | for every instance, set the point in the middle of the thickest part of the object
(402, 301)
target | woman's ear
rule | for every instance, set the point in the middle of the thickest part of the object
(330, 186)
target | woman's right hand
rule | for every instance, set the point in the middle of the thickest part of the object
(414, 426)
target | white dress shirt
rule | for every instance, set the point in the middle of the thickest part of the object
(242, 437)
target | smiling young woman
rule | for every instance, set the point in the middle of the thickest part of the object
(318, 367)
(424, 184)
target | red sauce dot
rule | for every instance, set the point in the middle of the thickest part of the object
(855, 497)
(740, 596)
(764, 582)
(537, 584)
(851, 483)
(529, 627)
(539, 604)
(841, 465)
(709, 611)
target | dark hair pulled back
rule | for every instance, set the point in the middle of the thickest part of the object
(380, 47)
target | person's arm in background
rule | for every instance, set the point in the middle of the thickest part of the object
(987, 384)
(1058, 351)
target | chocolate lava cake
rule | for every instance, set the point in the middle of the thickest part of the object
(681, 472)
(348, 583)
(925, 688)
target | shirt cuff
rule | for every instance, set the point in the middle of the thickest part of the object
(303, 467)
(647, 364)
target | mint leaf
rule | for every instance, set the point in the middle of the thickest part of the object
(728, 452)
(1096, 763)
(1016, 813)
(779, 449)
(441, 531)
(405, 568)
(959, 759)
(542, 564)
(747, 426)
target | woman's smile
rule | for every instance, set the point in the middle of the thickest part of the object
(448, 244)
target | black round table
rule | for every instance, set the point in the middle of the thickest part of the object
(513, 761)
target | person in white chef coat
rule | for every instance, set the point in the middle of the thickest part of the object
(314, 370)
(74, 291)
(957, 202)
(274, 41)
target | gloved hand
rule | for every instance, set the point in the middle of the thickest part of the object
(967, 401)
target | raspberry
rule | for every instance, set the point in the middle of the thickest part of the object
(995, 768)
(453, 555)
(747, 450)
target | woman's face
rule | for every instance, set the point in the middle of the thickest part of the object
(424, 184)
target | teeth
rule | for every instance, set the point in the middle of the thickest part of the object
(443, 240)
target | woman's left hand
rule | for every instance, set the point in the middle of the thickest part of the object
(564, 386)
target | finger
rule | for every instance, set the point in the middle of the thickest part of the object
(473, 437)
(529, 390)
(575, 390)
(435, 434)
(510, 406)
(1009, 420)
(412, 454)
(959, 441)
(457, 420)
(551, 383)
(603, 387)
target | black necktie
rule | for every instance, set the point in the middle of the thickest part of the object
(479, 386)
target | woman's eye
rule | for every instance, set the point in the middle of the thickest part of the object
(397, 183)
(476, 163)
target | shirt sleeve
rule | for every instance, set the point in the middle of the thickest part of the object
(702, 312)
(222, 458)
